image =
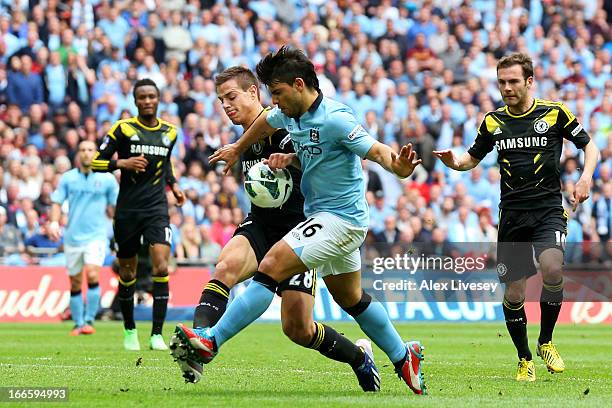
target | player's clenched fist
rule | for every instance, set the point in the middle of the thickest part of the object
(136, 163)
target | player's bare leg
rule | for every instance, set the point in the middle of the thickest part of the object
(300, 327)
(374, 321)
(125, 294)
(551, 298)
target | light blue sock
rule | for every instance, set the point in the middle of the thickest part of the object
(93, 302)
(242, 311)
(375, 322)
(76, 308)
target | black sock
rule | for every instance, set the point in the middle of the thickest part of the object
(516, 322)
(335, 346)
(160, 303)
(550, 306)
(125, 294)
(212, 304)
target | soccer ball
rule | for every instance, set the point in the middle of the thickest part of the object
(267, 188)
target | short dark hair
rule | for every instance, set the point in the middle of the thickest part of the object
(144, 82)
(285, 65)
(243, 76)
(517, 58)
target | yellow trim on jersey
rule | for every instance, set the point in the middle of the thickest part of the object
(535, 103)
(118, 123)
(158, 172)
(565, 214)
(159, 163)
(172, 169)
(128, 130)
(156, 181)
(99, 164)
(161, 279)
(536, 158)
(538, 169)
(540, 181)
(506, 161)
(159, 123)
(171, 134)
(551, 117)
(491, 124)
(508, 185)
(507, 171)
(560, 105)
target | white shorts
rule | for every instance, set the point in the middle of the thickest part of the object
(328, 243)
(92, 253)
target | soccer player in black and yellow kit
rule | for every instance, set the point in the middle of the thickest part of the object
(238, 91)
(143, 145)
(528, 134)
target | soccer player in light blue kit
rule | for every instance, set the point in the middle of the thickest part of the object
(88, 195)
(329, 145)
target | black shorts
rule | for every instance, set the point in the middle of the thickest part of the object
(523, 236)
(133, 230)
(262, 237)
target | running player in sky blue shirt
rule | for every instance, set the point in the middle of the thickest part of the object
(329, 144)
(88, 195)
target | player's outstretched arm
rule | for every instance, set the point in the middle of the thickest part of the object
(462, 163)
(230, 153)
(582, 189)
(402, 164)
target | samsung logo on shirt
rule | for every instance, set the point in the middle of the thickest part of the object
(152, 150)
(521, 142)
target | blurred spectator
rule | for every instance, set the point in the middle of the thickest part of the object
(209, 249)
(10, 238)
(222, 230)
(24, 86)
(603, 213)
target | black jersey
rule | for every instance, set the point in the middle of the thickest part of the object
(146, 191)
(529, 151)
(293, 210)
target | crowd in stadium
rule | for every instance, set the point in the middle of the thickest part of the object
(422, 72)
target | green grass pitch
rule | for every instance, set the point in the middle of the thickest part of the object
(466, 365)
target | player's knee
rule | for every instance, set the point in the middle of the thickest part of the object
(75, 283)
(127, 274)
(228, 271)
(514, 292)
(92, 275)
(161, 269)
(270, 266)
(347, 299)
(552, 273)
(298, 331)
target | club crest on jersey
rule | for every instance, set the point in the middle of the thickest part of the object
(166, 140)
(540, 126)
(258, 147)
(314, 135)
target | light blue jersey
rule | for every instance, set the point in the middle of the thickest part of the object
(88, 196)
(329, 143)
